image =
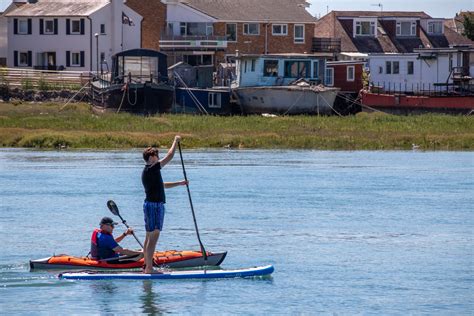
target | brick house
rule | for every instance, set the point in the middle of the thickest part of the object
(367, 32)
(206, 31)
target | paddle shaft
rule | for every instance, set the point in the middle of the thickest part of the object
(204, 254)
(133, 233)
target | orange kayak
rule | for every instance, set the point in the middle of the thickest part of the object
(169, 258)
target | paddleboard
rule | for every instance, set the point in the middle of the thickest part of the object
(173, 275)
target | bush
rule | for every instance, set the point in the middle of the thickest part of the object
(26, 84)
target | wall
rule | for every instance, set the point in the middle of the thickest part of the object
(340, 76)
(153, 23)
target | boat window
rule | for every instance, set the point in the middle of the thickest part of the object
(388, 67)
(140, 67)
(316, 69)
(297, 69)
(396, 67)
(214, 100)
(350, 73)
(270, 68)
(329, 77)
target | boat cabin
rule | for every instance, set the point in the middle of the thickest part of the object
(139, 66)
(280, 69)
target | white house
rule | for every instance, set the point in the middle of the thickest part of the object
(422, 70)
(70, 34)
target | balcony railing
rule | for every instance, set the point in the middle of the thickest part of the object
(326, 45)
(204, 42)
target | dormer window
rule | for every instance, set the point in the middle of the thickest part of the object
(435, 27)
(406, 28)
(365, 28)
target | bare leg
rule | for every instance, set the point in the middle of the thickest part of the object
(150, 245)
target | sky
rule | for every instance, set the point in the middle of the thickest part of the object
(435, 8)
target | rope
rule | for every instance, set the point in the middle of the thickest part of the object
(193, 97)
(123, 97)
(128, 96)
(294, 104)
(71, 98)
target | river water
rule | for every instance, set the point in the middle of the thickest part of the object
(348, 232)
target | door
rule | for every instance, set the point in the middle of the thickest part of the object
(51, 59)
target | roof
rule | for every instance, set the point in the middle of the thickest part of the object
(254, 10)
(331, 25)
(59, 8)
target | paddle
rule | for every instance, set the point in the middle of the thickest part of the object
(114, 209)
(204, 254)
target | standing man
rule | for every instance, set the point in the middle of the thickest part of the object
(154, 205)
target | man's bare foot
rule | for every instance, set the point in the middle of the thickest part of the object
(152, 272)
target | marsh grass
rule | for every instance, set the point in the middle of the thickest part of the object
(77, 126)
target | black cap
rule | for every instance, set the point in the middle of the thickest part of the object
(107, 220)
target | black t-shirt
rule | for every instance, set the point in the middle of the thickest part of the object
(153, 183)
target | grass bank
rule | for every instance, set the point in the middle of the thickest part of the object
(77, 126)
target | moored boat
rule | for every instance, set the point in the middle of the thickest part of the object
(283, 84)
(138, 83)
(170, 258)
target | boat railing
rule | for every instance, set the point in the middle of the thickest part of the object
(421, 88)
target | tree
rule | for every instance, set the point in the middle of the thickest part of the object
(468, 28)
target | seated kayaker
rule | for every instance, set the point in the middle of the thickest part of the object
(105, 246)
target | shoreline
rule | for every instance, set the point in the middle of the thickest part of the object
(44, 126)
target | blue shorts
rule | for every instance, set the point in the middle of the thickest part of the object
(154, 215)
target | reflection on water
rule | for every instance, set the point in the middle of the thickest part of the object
(150, 299)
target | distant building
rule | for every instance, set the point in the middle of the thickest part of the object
(204, 32)
(457, 22)
(345, 75)
(368, 32)
(60, 34)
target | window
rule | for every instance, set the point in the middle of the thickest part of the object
(245, 66)
(299, 33)
(231, 32)
(365, 28)
(297, 69)
(102, 29)
(380, 70)
(350, 73)
(102, 57)
(388, 67)
(75, 59)
(435, 27)
(22, 26)
(329, 77)
(279, 29)
(49, 27)
(75, 27)
(392, 67)
(214, 100)
(410, 68)
(251, 29)
(252, 68)
(23, 59)
(406, 28)
(316, 69)
(396, 67)
(196, 29)
(270, 68)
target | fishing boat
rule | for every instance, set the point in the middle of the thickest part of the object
(283, 84)
(173, 275)
(138, 83)
(170, 259)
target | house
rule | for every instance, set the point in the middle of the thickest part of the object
(205, 32)
(368, 32)
(457, 22)
(426, 69)
(70, 34)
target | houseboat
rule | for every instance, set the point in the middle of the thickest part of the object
(138, 83)
(195, 92)
(283, 84)
(428, 80)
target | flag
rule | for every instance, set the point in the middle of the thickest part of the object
(127, 20)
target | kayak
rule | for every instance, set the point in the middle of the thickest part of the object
(169, 259)
(171, 275)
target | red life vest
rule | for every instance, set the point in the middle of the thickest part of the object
(95, 253)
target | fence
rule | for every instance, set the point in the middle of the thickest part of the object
(43, 79)
(421, 88)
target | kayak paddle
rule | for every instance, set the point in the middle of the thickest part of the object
(114, 209)
(204, 254)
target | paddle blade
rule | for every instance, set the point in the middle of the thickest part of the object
(113, 207)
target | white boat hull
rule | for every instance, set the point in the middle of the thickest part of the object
(286, 100)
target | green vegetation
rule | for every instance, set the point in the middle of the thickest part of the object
(77, 126)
